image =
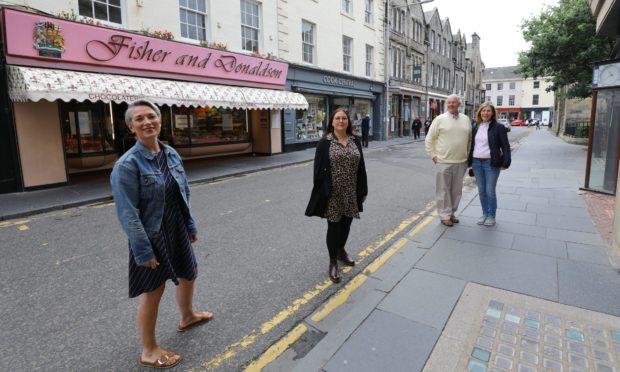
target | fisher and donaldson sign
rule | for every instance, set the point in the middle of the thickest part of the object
(52, 42)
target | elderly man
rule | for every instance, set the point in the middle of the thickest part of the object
(448, 143)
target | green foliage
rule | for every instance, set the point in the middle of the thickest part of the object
(564, 47)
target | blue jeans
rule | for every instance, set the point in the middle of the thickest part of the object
(486, 178)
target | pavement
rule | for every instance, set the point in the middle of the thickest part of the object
(94, 188)
(536, 292)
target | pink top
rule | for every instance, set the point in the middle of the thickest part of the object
(481, 146)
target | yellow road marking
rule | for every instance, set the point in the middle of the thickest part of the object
(339, 298)
(276, 349)
(13, 223)
(420, 226)
(379, 261)
(23, 228)
(249, 339)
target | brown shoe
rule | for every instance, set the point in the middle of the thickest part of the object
(344, 257)
(334, 275)
(454, 219)
(447, 222)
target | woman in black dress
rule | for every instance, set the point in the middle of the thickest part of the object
(340, 186)
(152, 202)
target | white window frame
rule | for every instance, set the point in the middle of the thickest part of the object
(347, 54)
(247, 8)
(535, 100)
(370, 51)
(106, 3)
(511, 100)
(512, 85)
(536, 84)
(310, 43)
(500, 86)
(500, 100)
(186, 25)
(369, 12)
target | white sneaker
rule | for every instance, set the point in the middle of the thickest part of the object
(490, 221)
(481, 220)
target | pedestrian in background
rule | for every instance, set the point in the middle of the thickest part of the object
(490, 152)
(427, 124)
(448, 143)
(416, 126)
(537, 125)
(365, 130)
(153, 206)
(339, 187)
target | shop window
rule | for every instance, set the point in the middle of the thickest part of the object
(312, 122)
(360, 108)
(86, 128)
(104, 10)
(208, 125)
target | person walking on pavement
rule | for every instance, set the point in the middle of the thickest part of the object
(365, 130)
(537, 125)
(339, 187)
(416, 126)
(489, 153)
(447, 143)
(427, 125)
(153, 206)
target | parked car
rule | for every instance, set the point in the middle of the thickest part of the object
(518, 123)
(505, 123)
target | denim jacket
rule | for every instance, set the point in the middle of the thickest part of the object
(139, 194)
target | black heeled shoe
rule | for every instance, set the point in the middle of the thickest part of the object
(344, 257)
(334, 275)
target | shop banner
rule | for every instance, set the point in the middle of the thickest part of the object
(37, 40)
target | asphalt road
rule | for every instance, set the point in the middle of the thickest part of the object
(262, 268)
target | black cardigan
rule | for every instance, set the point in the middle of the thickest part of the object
(321, 189)
(498, 144)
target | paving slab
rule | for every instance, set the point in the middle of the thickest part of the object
(424, 297)
(575, 236)
(506, 226)
(587, 253)
(398, 266)
(545, 247)
(502, 268)
(563, 212)
(496, 330)
(574, 223)
(590, 286)
(481, 236)
(384, 343)
(429, 235)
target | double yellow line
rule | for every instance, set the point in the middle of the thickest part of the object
(337, 300)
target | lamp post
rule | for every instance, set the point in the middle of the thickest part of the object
(386, 43)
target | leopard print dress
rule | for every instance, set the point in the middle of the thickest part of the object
(344, 161)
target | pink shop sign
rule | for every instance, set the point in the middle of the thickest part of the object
(98, 46)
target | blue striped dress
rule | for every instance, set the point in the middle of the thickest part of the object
(172, 246)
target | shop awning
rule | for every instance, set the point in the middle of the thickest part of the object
(35, 84)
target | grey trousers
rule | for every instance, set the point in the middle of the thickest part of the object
(448, 187)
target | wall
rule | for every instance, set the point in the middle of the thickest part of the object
(40, 143)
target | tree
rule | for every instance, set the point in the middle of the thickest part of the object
(564, 47)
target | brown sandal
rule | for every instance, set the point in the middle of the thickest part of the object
(163, 362)
(447, 222)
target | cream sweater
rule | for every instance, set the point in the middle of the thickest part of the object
(449, 139)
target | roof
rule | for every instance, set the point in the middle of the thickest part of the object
(500, 73)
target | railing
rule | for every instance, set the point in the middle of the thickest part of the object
(577, 129)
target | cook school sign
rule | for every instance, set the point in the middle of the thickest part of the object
(88, 46)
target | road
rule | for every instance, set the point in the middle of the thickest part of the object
(262, 268)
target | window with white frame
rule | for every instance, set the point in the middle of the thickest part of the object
(307, 41)
(369, 61)
(500, 100)
(512, 85)
(193, 19)
(368, 12)
(511, 100)
(500, 86)
(347, 6)
(432, 40)
(536, 84)
(488, 87)
(535, 99)
(347, 54)
(487, 99)
(104, 10)
(250, 25)
(440, 82)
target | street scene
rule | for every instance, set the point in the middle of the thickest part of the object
(275, 186)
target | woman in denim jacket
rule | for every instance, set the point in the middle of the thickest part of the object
(152, 203)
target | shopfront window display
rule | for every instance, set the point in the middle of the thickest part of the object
(208, 125)
(86, 128)
(310, 123)
(360, 108)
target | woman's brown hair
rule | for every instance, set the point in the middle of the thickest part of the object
(493, 115)
(330, 126)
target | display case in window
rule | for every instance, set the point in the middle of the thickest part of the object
(310, 123)
(209, 125)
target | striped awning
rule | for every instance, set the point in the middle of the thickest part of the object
(35, 84)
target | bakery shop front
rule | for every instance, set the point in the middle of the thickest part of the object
(66, 85)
